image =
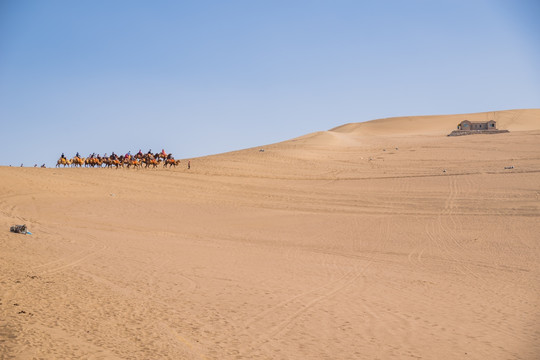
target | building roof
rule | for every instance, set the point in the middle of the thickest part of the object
(477, 122)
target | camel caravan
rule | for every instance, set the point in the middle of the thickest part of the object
(137, 161)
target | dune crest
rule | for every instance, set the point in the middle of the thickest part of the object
(513, 120)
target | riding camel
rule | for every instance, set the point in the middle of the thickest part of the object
(116, 163)
(77, 161)
(92, 162)
(150, 162)
(63, 161)
(136, 163)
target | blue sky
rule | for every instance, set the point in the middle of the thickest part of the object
(205, 77)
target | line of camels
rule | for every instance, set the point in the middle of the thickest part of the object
(140, 160)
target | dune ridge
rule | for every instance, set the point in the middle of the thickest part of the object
(513, 120)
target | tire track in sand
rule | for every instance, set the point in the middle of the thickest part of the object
(306, 301)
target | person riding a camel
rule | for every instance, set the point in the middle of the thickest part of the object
(170, 156)
(77, 155)
(163, 152)
(139, 153)
(62, 156)
(149, 152)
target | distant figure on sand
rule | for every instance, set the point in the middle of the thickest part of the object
(189, 164)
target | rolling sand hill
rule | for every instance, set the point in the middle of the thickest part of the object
(352, 243)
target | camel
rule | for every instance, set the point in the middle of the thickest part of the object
(63, 161)
(92, 162)
(171, 163)
(77, 161)
(116, 163)
(136, 163)
(151, 162)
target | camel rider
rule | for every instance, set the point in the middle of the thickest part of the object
(62, 156)
(163, 152)
(139, 153)
(149, 152)
(77, 155)
(169, 156)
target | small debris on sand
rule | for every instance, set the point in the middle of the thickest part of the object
(19, 229)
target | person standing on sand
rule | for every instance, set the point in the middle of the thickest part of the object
(189, 164)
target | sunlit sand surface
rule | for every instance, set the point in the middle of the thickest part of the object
(377, 240)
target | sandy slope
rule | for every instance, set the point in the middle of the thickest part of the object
(346, 244)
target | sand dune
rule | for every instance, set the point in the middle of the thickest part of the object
(343, 244)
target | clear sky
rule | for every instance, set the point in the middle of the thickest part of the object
(204, 77)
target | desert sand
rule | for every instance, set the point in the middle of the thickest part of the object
(377, 240)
